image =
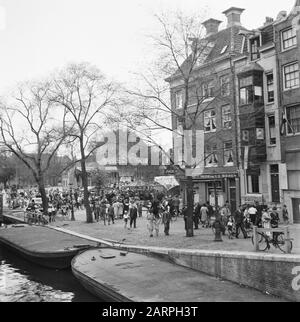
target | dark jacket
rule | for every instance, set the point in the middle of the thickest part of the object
(133, 212)
(239, 217)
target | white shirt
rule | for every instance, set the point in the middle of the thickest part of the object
(252, 211)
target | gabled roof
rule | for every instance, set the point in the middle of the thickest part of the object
(216, 44)
(252, 66)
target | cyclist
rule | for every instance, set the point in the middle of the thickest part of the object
(274, 222)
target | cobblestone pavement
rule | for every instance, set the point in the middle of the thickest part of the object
(203, 238)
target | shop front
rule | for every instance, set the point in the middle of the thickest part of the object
(217, 189)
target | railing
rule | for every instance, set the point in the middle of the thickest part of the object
(285, 231)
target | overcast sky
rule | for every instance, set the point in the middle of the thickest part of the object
(37, 36)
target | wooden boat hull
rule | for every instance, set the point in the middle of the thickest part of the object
(59, 257)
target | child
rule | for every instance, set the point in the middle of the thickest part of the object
(125, 217)
(230, 225)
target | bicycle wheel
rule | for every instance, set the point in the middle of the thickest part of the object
(281, 243)
(262, 242)
(174, 217)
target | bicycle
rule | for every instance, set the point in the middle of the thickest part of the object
(265, 242)
(174, 215)
(35, 218)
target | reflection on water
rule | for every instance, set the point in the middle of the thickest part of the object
(22, 281)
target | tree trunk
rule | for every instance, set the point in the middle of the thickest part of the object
(89, 216)
(190, 207)
(43, 195)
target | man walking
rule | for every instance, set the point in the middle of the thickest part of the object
(166, 217)
(239, 222)
(197, 215)
(133, 214)
(111, 214)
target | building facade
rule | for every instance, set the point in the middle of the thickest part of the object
(287, 41)
(214, 84)
(252, 133)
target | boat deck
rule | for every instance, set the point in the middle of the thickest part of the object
(139, 278)
(44, 246)
(39, 239)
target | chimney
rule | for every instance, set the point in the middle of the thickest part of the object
(211, 26)
(268, 21)
(233, 15)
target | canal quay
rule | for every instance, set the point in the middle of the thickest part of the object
(177, 255)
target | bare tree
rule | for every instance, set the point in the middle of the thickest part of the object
(32, 130)
(85, 93)
(182, 50)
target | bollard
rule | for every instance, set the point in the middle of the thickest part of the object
(218, 233)
(255, 242)
(287, 240)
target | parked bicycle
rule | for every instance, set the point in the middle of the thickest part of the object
(265, 241)
(35, 217)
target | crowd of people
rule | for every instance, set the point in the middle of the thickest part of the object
(241, 220)
(109, 206)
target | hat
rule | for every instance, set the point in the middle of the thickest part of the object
(274, 208)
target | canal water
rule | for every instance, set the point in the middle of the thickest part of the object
(22, 281)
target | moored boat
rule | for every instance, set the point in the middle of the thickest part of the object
(117, 276)
(44, 246)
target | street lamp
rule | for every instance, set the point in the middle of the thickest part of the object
(72, 206)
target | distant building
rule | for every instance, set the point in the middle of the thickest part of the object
(119, 172)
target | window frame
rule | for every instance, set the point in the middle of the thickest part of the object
(251, 177)
(257, 47)
(294, 37)
(207, 90)
(210, 118)
(268, 86)
(249, 91)
(271, 143)
(212, 152)
(179, 106)
(226, 149)
(288, 127)
(284, 76)
(222, 85)
(225, 118)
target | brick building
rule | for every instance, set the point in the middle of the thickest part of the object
(251, 133)
(213, 81)
(287, 41)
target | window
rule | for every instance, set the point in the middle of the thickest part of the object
(291, 76)
(225, 85)
(211, 156)
(270, 87)
(272, 129)
(289, 38)
(250, 93)
(293, 118)
(253, 184)
(179, 100)
(246, 90)
(226, 117)
(228, 154)
(210, 121)
(224, 49)
(275, 191)
(254, 45)
(208, 90)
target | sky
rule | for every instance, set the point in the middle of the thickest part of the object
(39, 36)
